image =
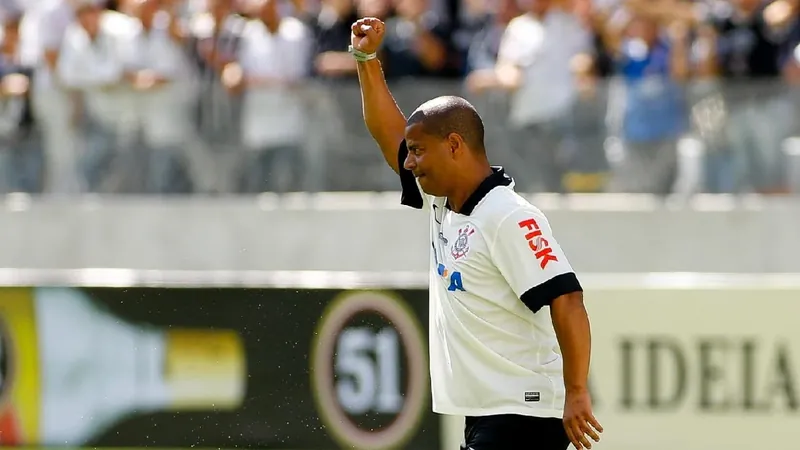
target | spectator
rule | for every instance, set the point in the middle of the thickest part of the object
(535, 64)
(653, 67)
(586, 165)
(214, 42)
(92, 62)
(272, 63)
(472, 18)
(708, 112)
(759, 113)
(416, 41)
(54, 109)
(332, 29)
(381, 9)
(790, 52)
(162, 76)
(20, 161)
(482, 36)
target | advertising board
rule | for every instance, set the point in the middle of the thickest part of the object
(696, 369)
(178, 367)
(680, 361)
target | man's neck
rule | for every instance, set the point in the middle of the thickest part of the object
(273, 25)
(540, 15)
(468, 184)
(147, 24)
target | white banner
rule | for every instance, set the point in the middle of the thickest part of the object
(693, 369)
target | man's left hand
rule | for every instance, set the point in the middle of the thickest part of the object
(579, 421)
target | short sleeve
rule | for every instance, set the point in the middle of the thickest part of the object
(52, 25)
(528, 256)
(411, 193)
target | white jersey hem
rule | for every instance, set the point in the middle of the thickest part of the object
(532, 412)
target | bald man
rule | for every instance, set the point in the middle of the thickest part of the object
(518, 374)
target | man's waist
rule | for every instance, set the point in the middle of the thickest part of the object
(524, 409)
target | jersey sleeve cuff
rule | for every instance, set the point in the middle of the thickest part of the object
(543, 295)
(410, 196)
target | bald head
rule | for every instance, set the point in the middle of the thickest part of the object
(443, 116)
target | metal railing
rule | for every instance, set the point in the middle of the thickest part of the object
(740, 138)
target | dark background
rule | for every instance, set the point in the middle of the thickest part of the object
(277, 327)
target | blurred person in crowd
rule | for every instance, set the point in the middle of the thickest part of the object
(750, 36)
(472, 18)
(332, 31)
(535, 63)
(92, 63)
(790, 63)
(584, 156)
(54, 108)
(477, 40)
(483, 34)
(416, 41)
(653, 64)
(595, 16)
(708, 114)
(272, 63)
(162, 76)
(20, 158)
(373, 8)
(214, 43)
(790, 55)
(790, 52)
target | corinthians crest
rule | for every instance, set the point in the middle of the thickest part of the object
(461, 245)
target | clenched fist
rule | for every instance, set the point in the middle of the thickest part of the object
(367, 34)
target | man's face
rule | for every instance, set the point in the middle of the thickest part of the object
(268, 12)
(411, 9)
(89, 18)
(11, 34)
(220, 8)
(430, 159)
(373, 8)
(147, 9)
(747, 5)
(539, 7)
(644, 29)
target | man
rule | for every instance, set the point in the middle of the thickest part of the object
(536, 64)
(496, 358)
(91, 63)
(42, 32)
(270, 68)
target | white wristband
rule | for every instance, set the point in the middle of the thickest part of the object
(360, 56)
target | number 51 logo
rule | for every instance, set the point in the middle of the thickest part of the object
(362, 369)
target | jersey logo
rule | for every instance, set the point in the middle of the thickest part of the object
(540, 246)
(453, 277)
(531, 396)
(461, 245)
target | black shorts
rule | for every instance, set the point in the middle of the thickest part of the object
(514, 432)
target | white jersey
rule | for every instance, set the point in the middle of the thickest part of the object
(495, 269)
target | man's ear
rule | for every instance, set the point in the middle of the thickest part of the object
(455, 142)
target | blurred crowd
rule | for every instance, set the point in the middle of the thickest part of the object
(245, 96)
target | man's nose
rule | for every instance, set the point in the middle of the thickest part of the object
(410, 162)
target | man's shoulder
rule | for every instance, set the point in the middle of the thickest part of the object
(522, 20)
(294, 28)
(119, 25)
(523, 25)
(503, 203)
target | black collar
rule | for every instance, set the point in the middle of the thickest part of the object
(499, 177)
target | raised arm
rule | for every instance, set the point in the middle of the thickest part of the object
(382, 116)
